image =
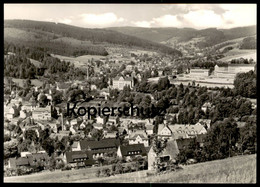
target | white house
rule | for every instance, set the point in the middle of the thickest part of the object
(100, 120)
(42, 113)
(180, 130)
(75, 146)
(139, 138)
(120, 82)
(23, 114)
(149, 129)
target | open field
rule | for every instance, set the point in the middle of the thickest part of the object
(239, 169)
(80, 61)
(238, 53)
(233, 43)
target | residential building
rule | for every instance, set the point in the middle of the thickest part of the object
(119, 82)
(110, 134)
(128, 151)
(139, 138)
(99, 148)
(28, 160)
(180, 130)
(23, 114)
(198, 72)
(205, 122)
(79, 158)
(42, 113)
(170, 152)
(149, 129)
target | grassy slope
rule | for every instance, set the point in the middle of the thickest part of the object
(239, 53)
(240, 169)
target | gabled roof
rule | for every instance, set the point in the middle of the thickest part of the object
(125, 78)
(37, 157)
(171, 149)
(181, 128)
(101, 144)
(75, 144)
(133, 136)
(139, 149)
(80, 155)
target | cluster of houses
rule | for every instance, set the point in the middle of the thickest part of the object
(87, 152)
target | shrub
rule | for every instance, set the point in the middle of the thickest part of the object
(127, 169)
(106, 172)
(113, 167)
(98, 172)
(119, 168)
(66, 167)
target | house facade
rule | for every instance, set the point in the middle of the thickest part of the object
(180, 130)
(128, 151)
(139, 138)
(42, 113)
(120, 82)
(170, 152)
(100, 148)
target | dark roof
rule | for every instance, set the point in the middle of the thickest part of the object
(139, 149)
(22, 161)
(29, 160)
(101, 144)
(70, 156)
(37, 157)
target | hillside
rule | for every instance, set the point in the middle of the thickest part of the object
(239, 169)
(65, 39)
(211, 36)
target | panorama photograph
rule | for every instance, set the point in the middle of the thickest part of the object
(129, 93)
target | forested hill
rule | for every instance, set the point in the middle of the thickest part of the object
(212, 36)
(46, 33)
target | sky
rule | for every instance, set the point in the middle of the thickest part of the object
(198, 16)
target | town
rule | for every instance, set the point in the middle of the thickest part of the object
(107, 103)
(40, 132)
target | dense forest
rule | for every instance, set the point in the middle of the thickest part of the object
(212, 36)
(245, 84)
(96, 36)
(49, 67)
(248, 43)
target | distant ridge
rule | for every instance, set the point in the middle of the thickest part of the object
(48, 31)
(212, 35)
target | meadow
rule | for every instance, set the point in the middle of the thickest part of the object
(239, 53)
(239, 169)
